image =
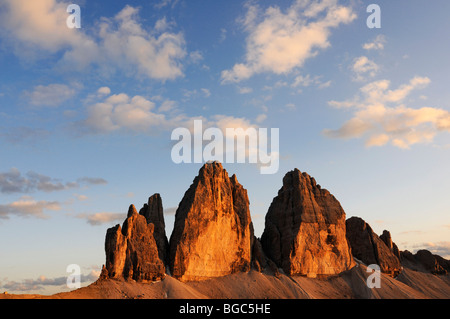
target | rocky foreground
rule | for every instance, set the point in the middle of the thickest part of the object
(308, 249)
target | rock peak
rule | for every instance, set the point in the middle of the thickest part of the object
(212, 169)
(131, 211)
(213, 232)
(305, 229)
(131, 250)
(371, 249)
(154, 214)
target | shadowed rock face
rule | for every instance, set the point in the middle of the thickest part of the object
(369, 248)
(154, 214)
(213, 232)
(131, 250)
(425, 261)
(305, 229)
(387, 239)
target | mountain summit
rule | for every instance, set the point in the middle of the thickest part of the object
(213, 231)
(305, 229)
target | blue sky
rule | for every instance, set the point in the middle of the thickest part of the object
(86, 115)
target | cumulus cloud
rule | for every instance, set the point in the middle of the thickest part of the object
(41, 25)
(279, 42)
(381, 116)
(28, 207)
(140, 115)
(104, 90)
(120, 111)
(377, 44)
(102, 218)
(13, 181)
(120, 42)
(245, 90)
(308, 80)
(364, 68)
(155, 55)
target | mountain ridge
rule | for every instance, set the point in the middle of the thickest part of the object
(213, 252)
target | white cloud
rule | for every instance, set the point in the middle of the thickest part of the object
(223, 122)
(381, 116)
(36, 26)
(118, 43)
(102, 218)
(140, 115)
(123, 112)
(279, 42)
(324, 85)
(50, 95)
(378, 140)
(28, 207)
(364, 68)
(195, 56)
(104, 90)
(167, 106)
(308, 80)
(125, 43)
(166, 3)
(377, 44)
(14, 182)
(261, 118)
(301, 80)
(39, 283)
(245, 90)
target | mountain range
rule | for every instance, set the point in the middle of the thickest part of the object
(309, 249)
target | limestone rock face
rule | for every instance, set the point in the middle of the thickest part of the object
(369, 248)
(154, 214)
(213, 232)
(305, 229)
(131, 250)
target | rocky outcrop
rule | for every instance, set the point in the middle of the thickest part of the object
(425, 261)
(305, 229)
(369, 248)
(387, 239)
(131, 250)
(259, 259)
(154, 214)
(213, 232)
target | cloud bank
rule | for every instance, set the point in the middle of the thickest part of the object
(33, 28)
(381, 116)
